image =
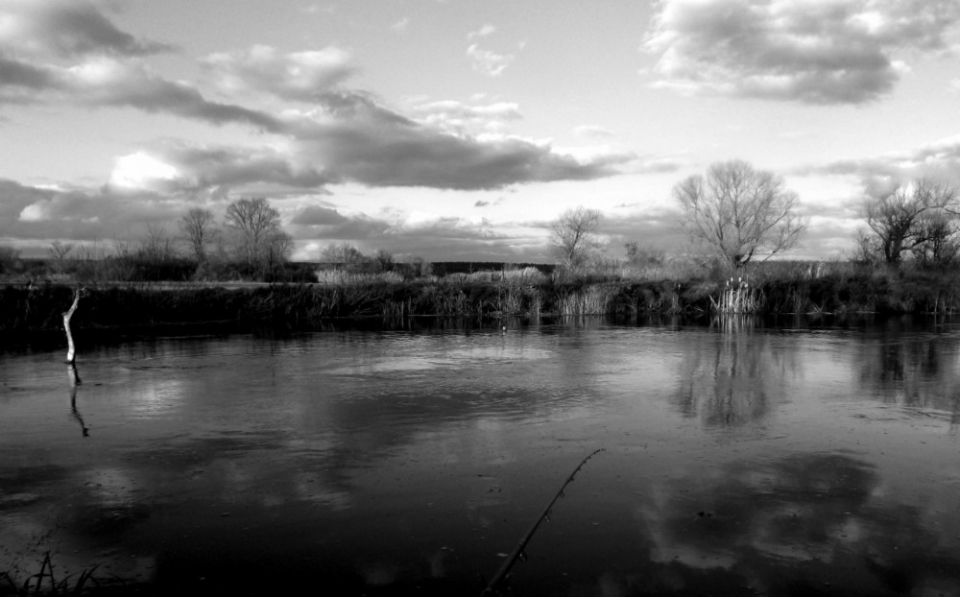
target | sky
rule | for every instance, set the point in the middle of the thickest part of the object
(458, 129)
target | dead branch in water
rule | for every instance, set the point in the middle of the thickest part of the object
(71, 349)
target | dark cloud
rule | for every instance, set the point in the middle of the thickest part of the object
(315, 215)
(840, 52)
(68, 28)
(368, 143)
(40, 213)
(878, 176)
(200, 168)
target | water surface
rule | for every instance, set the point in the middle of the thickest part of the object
(738, 459)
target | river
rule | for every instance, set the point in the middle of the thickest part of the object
(739, 458)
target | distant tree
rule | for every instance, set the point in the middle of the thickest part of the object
(343, 254)
(156, 245)
(198, 230)
(739, 212)
(58, 252)
(642, 256)
(9, 259)
(919, 219)
(384, 260)
(258, 239)
(573, 236)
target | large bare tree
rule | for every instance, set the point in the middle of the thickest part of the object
(198, 229)
(918, 219)
(573, 236)
(740, 213)
(260, 242)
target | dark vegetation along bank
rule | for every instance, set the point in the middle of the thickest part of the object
(811, 288)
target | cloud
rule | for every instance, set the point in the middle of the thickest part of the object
(592, 131)
(488, 63)
(879, 175)
(174, 167)
(297, 76)
(66, 28)
(315, 215)
(80, 214)
(357, 139)
(460, 118)
(401, 25)
(809, 51)
(484, 31)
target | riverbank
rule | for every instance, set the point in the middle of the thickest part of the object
(35, 309)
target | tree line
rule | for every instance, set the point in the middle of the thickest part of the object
(736, 214)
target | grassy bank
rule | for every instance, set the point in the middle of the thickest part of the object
(29, 310)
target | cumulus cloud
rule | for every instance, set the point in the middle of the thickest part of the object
(173, 167)
(359, 140)
(811, 51)
(29, 212)
(487, 62)
(879, 175)
(297, 76)
(341, 135)
(484, 31)
(461, 118)
(66, 28)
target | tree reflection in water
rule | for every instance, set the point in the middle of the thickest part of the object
(74, 383)
(733, 376)
(907, 369)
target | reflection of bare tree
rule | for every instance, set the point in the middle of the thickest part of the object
(731, 377)
(912, 370)
(74, 382)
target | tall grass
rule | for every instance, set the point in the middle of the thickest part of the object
(737, 297)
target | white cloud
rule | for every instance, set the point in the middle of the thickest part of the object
(487, 62)
(140, 171)
(811, 51)
(592, 131)
(401, 25)
(298, 76)
(484, 31)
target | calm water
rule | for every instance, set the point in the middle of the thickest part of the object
(738, 460)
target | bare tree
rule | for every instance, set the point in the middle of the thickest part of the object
(384, 260)
(573, 236)
(156, 246)
(198, 230)
(344, 254)
(917, 219)
(59, 251)
(740, 212)
(257, 232)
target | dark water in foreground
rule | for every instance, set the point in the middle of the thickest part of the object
(775, 461)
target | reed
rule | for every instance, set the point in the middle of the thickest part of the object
(737, 297)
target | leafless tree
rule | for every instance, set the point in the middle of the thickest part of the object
(157, 245)
(918, 219)
(740, 212)
(384, 260)
(198, 229)
(58, 252)
(573, 236)
(256, 230)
